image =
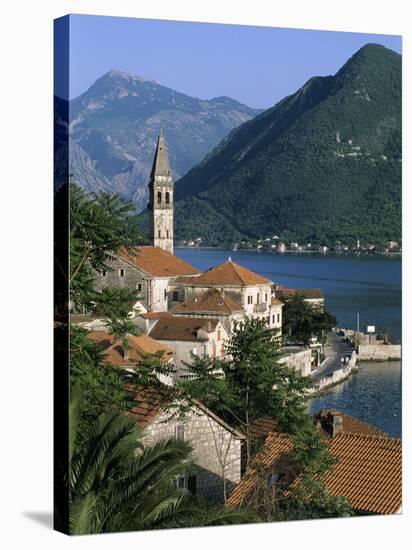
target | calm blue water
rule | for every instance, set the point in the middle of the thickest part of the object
(368, 284)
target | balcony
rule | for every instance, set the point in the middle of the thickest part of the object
(259, 308)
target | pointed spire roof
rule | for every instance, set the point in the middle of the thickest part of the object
(161, 166)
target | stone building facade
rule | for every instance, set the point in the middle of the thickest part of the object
(251, 291)
(161, 198)
(217, 447)
(188, 336)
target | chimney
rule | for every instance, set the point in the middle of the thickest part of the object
(335, 423)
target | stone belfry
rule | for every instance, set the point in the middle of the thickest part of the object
(161, 198)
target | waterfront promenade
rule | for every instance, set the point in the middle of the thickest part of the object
(336, 347)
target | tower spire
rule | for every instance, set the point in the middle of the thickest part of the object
(161, 198)
(161, 166)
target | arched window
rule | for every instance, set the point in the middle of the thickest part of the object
(159, 197)
(167, 197)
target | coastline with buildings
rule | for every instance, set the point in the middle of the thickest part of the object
(185, 310)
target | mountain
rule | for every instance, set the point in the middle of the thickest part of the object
(114, 127)
(324, 164)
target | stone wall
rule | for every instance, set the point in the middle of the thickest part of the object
(300, 361)
(379, 352)
(216, 451)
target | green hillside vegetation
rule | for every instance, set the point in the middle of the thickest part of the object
(324, 164)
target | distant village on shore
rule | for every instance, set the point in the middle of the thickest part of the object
(276, 245)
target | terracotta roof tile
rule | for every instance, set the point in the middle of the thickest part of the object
(155, 314)
(182, 328)
(227, 274)
(157, 262)
(368, 472)
(276, 302)
(350, 425)
(262, 427)
(210, 301)
(140, 346)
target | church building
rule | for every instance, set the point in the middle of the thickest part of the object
(161, 198)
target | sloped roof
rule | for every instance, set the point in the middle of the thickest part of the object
(276, 302)
(230, 274)
(262, 427)
(157, 262)
(182, 328)
(155, 314)
(368, 472)
(139, 347)
(161, 166)
(149, 405)
(210, 301)
(350, 424)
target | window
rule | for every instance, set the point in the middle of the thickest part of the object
(121, 272)
(165, 294)
(219, 334)
(104, 273)
(167, 233)
(273, 319)
(278, 317)
(258, 298)
(180, 432)
(175, 295)
(250, 299)
(180, 482)
(266, 297)
(159, 233)
(159, 197)
(213, 350)
(192, 484)
(167, 198)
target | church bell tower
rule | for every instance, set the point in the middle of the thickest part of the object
(161, 198)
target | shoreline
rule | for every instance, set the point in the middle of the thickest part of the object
(295, 252)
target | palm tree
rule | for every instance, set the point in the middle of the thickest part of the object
(116, 483)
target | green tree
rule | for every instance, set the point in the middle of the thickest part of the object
(251, 384)
(99, 226)
(301, 320)
(117, 483)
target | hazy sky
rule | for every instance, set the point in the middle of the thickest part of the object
(255, 65)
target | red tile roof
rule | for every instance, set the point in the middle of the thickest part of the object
(139, 347)
(155, 314)
(210, 301)
(157, 262)
(350, 425)
(262, 427)
(368, 472)
(227, 274)
(182, 328)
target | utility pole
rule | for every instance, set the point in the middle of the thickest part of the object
(357, 329)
